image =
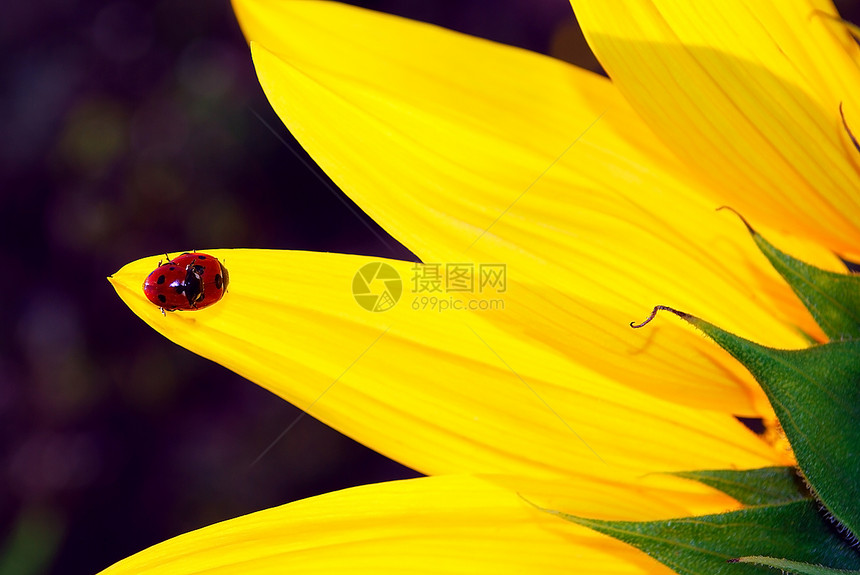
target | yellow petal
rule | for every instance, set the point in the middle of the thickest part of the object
(471, 151)
(431, 525)
(748, 95)
(440, 392)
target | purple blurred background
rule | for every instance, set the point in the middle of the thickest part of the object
(129, 130)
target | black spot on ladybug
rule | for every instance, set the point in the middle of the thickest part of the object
(172, 268)
(218, 281)
(160, 279)
(161, 297)
(225, 276)
(201, 257)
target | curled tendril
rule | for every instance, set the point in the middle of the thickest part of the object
(635, 325)
(738, 214)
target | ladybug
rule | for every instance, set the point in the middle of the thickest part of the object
(187, 282)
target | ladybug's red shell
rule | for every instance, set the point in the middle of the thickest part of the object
(187, 282)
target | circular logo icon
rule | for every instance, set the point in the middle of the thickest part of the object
(377, 286)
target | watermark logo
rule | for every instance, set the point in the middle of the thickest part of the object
(453, 278)
(434, 286)
(377, 286)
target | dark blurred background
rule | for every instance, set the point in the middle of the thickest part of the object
(129, 129)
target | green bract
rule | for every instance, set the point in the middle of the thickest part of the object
(833, 299)
(753, 486)
(806, 526)
(794, 566)
(706, 545)
(816, 397)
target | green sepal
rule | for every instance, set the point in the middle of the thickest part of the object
(763, 486)
(815, 393)
(795, 567)
(705, 545)
(832, 298)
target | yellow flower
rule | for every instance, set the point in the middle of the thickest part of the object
(598, 197)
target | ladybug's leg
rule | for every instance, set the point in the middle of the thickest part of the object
(167, 259)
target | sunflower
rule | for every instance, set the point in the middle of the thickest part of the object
(591, 200)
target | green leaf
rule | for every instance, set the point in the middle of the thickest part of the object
(815, 393)
(753, 486)
(787, 566)
(832, 298)
(705, 545)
